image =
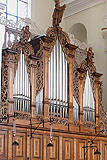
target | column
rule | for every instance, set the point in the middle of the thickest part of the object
(10, 81)
(70, 101)
(33, 86)
(97, 78)
(81, 71)
(46, 54)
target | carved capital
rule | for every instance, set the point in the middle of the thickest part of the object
(46, 48)
(97, 75)
(46, 101)
(71, 47)
(71, 105)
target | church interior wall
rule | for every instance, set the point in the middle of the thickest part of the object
(41, 13)
(93, 19)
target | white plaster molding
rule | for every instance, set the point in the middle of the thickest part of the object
(19, 24)
(75, 6)
(66, 1)
(76, 42)
(104, 29)
(13, 29)
(2, 8)
(104, 34)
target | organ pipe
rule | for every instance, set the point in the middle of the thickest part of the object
(58, 94)
(88, 101)
(21, 87)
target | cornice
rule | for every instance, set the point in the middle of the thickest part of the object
(75, 6)
(2, 8)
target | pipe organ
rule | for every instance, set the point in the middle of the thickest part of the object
(21, 87)
(39, 102)
(46, 97)
(58, 83)
(88, 101)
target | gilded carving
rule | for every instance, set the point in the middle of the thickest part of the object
(4, 87)
(77, 123)
(76, 83)
(57, 33)
(25, 34)
(103, 114)
(90, 125)
(89, 66)
(27, 50)
(20, 115)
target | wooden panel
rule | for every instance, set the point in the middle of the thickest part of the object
(80, 150)
(52, 152)
(36, 147)
(3, 144)
(104, 150)
(92, 150)
(67, 149)
(20, 150)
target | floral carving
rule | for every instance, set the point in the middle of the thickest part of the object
(27, 50)
(76, 82)
(4, 87)
(88, 65)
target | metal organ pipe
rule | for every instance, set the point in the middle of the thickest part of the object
(58, 94)
(21, 87)
(88, 101)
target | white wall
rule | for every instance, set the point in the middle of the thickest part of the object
(42, 11)
(93, 19)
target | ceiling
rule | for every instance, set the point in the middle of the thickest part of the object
(75, 6)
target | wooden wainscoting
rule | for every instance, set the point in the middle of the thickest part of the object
(36, 147)
(20, 151)
(67, 149)
(104, 152)
(3, 145)
(66, 146)
(80, 151)
(91, 155)
(53, 152)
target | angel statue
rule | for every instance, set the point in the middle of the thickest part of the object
(58, 13)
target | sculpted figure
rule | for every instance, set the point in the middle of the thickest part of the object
(90, 54)
(25, 34)
(58, 13)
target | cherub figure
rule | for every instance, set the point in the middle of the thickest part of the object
(58, 13)
(25, 34)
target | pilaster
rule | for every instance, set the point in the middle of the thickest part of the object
(70, 101)
(10, 82)
(33, 86)
(46, 54)
(97, 78)
(81, 71)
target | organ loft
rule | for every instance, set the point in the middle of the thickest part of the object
(51, 99)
